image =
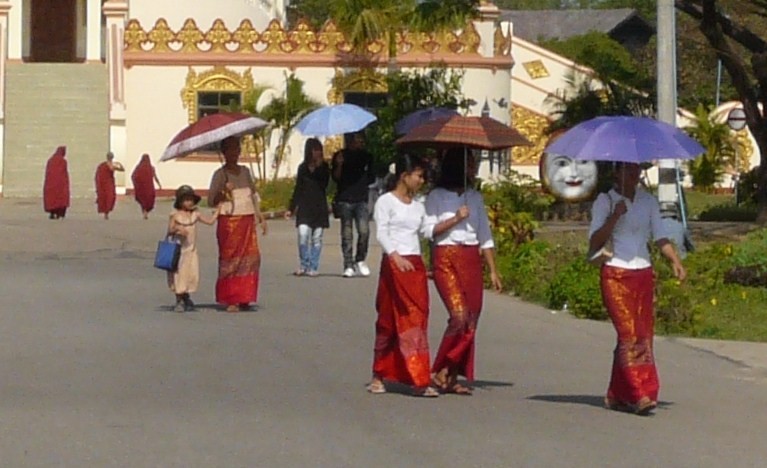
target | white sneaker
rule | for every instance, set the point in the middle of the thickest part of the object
(348, 273)
(362, 269)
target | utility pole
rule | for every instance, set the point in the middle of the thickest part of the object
(667, 173)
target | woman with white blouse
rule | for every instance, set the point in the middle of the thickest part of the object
(462, 237)
(630, 216)
(401, 351)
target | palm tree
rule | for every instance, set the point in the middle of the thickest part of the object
(250, 106)
(285, 112)
(364, 21)
(708, 169)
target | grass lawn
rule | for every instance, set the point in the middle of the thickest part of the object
(697, 202)
(721, 311)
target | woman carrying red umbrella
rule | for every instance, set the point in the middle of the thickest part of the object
(232, 189)
(144, 177)
(56, 185)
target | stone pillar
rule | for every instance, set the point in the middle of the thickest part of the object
(667, 173)
(485, 24)
(116, 13)
(93, 34)
(5, 8)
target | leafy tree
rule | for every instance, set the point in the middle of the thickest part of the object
(316, 12)
(364, 21)
(285, 112)
(249, 105)
(618, 86)
(743, 53)
(709, 168)
(408, 92)
(605, 56)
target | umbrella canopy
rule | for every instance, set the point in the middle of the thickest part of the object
(421, 116)
(335, 120)
(211, 129)
(625, 139)
(458, 130)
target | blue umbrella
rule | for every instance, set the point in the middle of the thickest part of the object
(625, 139)
(335, 120)
(422, 116)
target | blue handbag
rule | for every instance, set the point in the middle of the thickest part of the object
(168, 253)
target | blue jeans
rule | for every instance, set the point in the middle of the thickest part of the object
(358, 214)
(309, 247)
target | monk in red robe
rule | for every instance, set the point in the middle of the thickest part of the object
(144, 177)
(106, 194)
(56, 185)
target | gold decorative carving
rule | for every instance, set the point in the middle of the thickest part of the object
(745, 149)
(275, 38)
(220, 79)
(245, 36)
(217, 79)
(218, 36)
(161, 36)
(301, 40)
(533, 126)
(335, 39)
(536, 69)
(501, 42)
(135, 36)
(189, 36)
(304, 39)
(365, 80)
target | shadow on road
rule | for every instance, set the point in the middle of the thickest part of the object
(588, 400)
(487, 384)
(207, 307)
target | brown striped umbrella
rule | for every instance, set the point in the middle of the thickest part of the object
(473, 132)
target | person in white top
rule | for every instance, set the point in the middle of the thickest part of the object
(631, 217)
(401, 350)
(462, 237)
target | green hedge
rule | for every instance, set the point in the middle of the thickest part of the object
(275, 194)
(704, 305)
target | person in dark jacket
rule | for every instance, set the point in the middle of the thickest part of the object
(353, 173)
(310, 206)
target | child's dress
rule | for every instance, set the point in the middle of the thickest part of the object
(186, 279)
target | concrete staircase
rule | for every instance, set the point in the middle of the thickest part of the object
(49, 105)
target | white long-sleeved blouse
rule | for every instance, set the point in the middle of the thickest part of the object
(442, 204)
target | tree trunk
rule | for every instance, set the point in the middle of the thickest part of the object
(714, 27)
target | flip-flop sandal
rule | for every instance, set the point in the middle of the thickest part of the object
(427, 392)
(458, 389)
(376, 387)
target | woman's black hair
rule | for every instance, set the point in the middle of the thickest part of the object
(405, 164)
(310, 145)
(453, 169)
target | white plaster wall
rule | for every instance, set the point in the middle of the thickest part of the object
(532, 93)
(155, 114)
(15, 30)
(176, 12)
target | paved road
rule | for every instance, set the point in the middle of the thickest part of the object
(97, 371)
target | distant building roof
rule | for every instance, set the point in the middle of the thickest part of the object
(536, 25)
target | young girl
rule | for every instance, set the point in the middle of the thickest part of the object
(401, 351)
(309, 204)
(183, 225)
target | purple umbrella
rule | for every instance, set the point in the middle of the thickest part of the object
(625, 139)
(421, 116)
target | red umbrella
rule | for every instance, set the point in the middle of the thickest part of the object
(211, 129)
(474, 132)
